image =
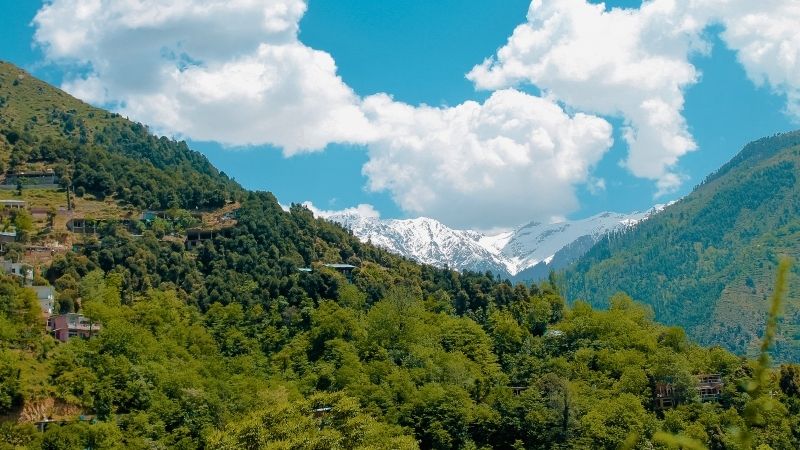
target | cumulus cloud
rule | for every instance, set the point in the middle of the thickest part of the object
(362, 210)
(766, 38)
(513, 158)
(231, 71)
(234, 71)
(635, 63)
(628, 62)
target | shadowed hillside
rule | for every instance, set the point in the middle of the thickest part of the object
(706, 262)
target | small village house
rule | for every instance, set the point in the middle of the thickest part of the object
(18, 270)
(47, 299)
(12, 205)
(34, 178)
(67, 326)
(196, 236)
(8, 237)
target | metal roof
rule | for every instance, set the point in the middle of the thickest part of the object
(340, 266)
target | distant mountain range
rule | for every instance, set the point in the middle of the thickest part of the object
(525, 254)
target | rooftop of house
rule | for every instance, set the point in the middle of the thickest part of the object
(340, 266)
(75, 321)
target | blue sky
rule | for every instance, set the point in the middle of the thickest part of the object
(419, 51)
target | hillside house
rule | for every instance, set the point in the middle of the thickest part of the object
(41, 178)
(664, 395)
(344, 269)
(47, 299)
(149, 216)
(91, 226)
(8, 237)
(19, 270)
(708, 387)
(12, 205)
(67, 326)
(82, 226)
(196, 236)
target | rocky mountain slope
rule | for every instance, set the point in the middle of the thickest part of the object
(525, 254)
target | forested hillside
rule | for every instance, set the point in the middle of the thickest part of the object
(706, 263)
(280, 330)
(98, 152)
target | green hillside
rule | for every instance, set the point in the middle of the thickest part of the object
(706, 263)
(98, 152)
(274, 329)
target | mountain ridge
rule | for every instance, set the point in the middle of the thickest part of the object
(531, 250)
(707, 262)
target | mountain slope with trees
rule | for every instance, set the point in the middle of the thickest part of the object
(706, 262)
(231, 345)
(97, 152)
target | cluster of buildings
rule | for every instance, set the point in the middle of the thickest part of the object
(62, 326)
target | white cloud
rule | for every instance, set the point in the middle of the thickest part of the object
(362, 210)
(595, 186)
(511, 159)
(766, 37)
(231, 71)
(628, 62)
(234, 71)
(635, 63)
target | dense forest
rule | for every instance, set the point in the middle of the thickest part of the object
(230, 345)
(707, 262)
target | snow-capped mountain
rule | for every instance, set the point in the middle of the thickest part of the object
(425, 240)
(527, 253)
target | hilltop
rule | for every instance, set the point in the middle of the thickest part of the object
(70, 161)
(100, 153)
(706, 262)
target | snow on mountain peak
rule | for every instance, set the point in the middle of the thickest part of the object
(508, 253)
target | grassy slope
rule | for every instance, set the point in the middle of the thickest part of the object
(27, 97)
(707, 262)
